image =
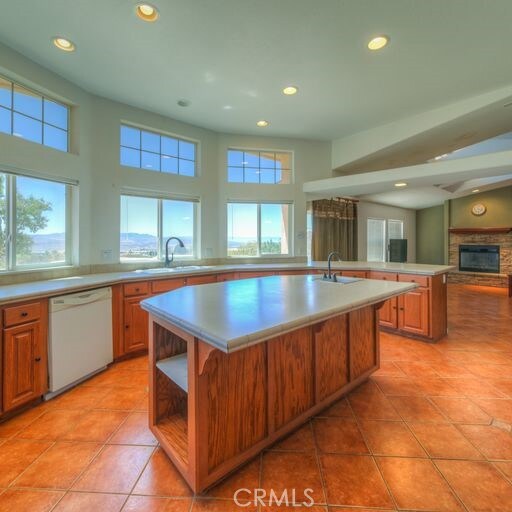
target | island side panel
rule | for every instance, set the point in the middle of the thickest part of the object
(331, 356)
(290, 376)
(364, 341)
(232, 397)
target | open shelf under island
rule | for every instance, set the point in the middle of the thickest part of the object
(234, 366)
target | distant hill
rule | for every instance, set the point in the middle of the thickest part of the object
(49, 242)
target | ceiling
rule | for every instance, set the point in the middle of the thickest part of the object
(231, 58)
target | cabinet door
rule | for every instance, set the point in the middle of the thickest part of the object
(388, 313)
(136, 325)
(413, 312)
(24, 368)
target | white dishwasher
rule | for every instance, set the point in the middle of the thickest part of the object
(80, 337)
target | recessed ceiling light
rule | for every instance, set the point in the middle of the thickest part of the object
(262, 123)
(290, 90)
(475, 190)
(183, 103)
(146, 12)
(64, 44)
(378, 42)
(401, 184)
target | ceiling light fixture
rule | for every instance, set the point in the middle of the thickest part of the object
(64, 44)
(146, 12)
(379, 42)
(262, 123)
(401, 184)
(290, 90)
(183, 103)
(474, 191)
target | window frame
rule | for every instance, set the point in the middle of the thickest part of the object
(259, 150)
(44, 123)
(10, 247)
(160, 134)
(160, 257)
(291, 247)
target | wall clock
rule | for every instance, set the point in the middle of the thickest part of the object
(478, 209)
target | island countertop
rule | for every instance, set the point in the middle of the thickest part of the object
(235, 314)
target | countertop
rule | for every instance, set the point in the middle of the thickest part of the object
(235, 314)
(54, 287)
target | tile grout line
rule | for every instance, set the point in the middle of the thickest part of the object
(318, 461)
(371, 454)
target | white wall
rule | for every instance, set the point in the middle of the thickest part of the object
(94, 163)
(378, 211)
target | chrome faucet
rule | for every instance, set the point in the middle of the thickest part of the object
(329, 275)
(168, 260)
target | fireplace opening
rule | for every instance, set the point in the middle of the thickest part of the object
(479, 258)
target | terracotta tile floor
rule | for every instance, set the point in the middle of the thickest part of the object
(430, 431)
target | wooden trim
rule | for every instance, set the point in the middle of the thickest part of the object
(479, 230)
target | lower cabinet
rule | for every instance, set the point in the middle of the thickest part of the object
(24, 354)
(136, 325)
(388, 316)
(413, 312)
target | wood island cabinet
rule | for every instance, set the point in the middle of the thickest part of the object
(24, 353)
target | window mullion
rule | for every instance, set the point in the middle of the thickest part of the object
(11, 219)
(160, 228)
(259, 229)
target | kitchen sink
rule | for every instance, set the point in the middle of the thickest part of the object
(340, 280)
(170, 270)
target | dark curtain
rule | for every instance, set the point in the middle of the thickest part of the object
(334, 228)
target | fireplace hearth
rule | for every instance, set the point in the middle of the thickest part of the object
(479, 258)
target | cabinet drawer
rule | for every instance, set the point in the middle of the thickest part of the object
(384, 276)
(250, 275)
(230, 276)
(166, 285)
(131, 289)
(413, 278)
(191, 281)
(352, 273)
(15, 315)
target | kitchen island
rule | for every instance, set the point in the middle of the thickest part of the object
(236, 365)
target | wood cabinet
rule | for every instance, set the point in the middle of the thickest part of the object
(24, 353)
(135, 325)
(413, 312)
(388, 315)
(353, 273)
(420, 313)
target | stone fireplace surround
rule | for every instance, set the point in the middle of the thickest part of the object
(502, 238)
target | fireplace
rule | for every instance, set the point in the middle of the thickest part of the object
(479, 258)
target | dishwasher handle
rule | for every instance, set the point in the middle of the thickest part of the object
(79, 299)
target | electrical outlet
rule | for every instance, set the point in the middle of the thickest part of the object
(106, 255)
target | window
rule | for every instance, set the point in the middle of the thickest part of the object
(379, 233)
(395, 229)
(34, 223)
(376, 245)
(259, 229)
(147, 222)
(156, 152)
(265, 167)
(31, 116)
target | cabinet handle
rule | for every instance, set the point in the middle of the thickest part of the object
(137, 289)
(24, 313)
(126, 326)
(38, 359)
(401, 309)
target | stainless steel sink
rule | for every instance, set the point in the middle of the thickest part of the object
(170, 270)
(339, 280)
